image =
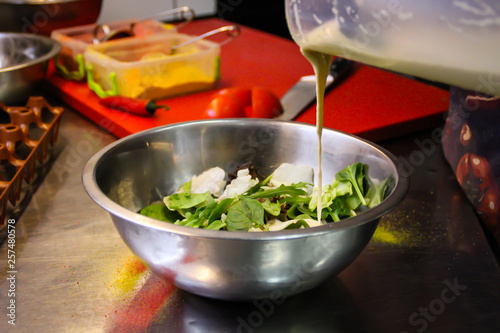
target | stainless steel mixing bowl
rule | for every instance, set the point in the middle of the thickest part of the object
(23, 63)
(43, 16)
(139, 169)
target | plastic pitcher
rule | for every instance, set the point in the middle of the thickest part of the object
(456, 42)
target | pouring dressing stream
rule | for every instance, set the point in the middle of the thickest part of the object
(321, 64)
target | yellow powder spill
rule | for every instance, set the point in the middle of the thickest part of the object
(384, 235)
(126, 277)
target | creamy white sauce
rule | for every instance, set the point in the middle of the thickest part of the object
(321, 63)
(462, 52)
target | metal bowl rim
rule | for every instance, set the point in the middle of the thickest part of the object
(55, 49)
(373, 214)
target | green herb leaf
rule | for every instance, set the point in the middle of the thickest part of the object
(257, 187)
(185, 200)
(186, 188)
(353, 201)
(355, 174)
(160, 212)
(191, 220)
(377, 192)
(313, 213)
(208, 208)
(339, 209)
(342, 187)
(292, 190)
(216, 225)
(272, 208)
(244, 215)
(292, 211)
(220, 209)
(295, 200)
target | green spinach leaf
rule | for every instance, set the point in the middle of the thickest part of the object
(186, 200)
(355, 174)
(245, 214)
(160, 212)
(377, 192)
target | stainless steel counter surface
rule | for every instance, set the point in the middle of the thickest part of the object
(429, 267)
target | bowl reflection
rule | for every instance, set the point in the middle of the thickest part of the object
(327, 308)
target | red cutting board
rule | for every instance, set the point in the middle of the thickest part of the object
(371, 103)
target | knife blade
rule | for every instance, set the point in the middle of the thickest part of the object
(303, 93)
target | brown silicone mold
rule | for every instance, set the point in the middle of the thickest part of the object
(26, 132)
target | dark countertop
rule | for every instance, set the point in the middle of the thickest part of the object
(429, 267)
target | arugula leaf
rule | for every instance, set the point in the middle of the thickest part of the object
(293, 190)
(245, 214)
(185, 200)
(295, 200)
(220, 209)
(272, 208)
(292, 211)
(160, 212)
(355, 174)
(257, 187)
(200, 217)
(192, 220)
(313, 213)
(207, 210)
(216, 225)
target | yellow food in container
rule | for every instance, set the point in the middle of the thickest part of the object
(75, 40)
(151, 67)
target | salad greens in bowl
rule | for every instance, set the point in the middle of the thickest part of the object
(284, 200)
(228, 209)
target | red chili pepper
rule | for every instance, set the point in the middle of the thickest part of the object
(131, 105)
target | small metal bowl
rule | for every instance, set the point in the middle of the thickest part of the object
(139, 169)
(42, 16)
(24, 60)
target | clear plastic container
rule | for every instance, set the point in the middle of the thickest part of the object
(454, 42)
(75, 40)
(148, 68)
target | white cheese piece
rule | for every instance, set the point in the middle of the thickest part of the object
(242, 183)
(288, 174)
(211, 180)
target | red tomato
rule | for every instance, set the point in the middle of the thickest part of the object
(265, 104)
(226, 106)
(244, 94)
(239, 102)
